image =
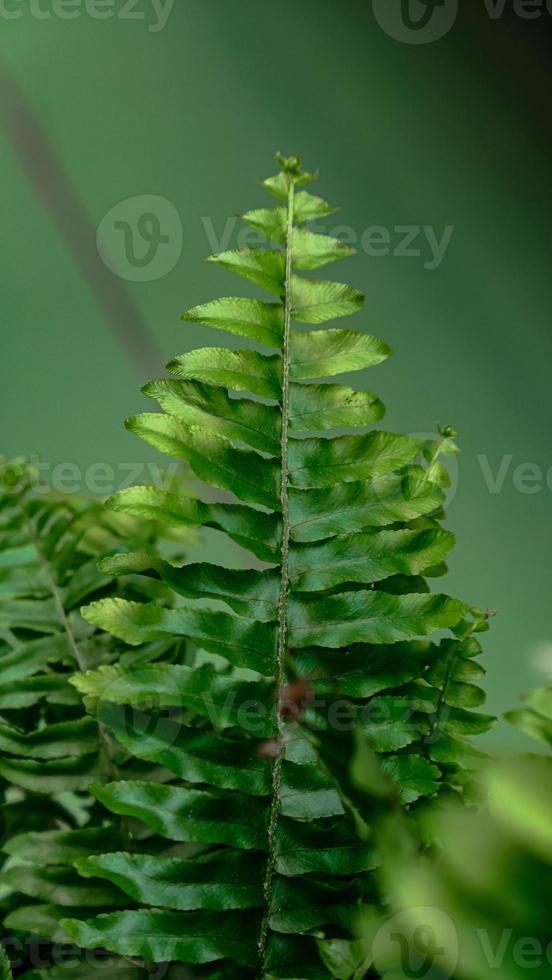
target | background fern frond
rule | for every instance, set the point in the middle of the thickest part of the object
(5, 968)
(535, 717)
(50, 749)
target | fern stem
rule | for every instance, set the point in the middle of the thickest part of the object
(284, 582)
(436, 723)
(73, 645)
(52, 585)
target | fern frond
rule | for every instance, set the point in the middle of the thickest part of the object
(50, 749)
(348, 525)
(5, 967)
(535, 717)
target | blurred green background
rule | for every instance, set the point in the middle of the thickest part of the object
(451, 133)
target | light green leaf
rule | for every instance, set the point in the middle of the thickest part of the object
(243, 643)
(323, 353)
(240, 370)
(308, 207)
(357, 505)
(414, 775)
(247, 474)
(5, 968)
(328, 406)
(245, 317)
(316, 300)
(312, 251)
(460, 722)
(28, 658)
(41, 615)
(263, 267)
(238, 419)
(532, 723)
(271, 221)
(280, 184)
(369, 617)
(366, 557)
(309, 250)
(255, 530)
(248, 592)
(252, 594)
(325, 462)
(346, 959)
(535, 718)
(445, 749)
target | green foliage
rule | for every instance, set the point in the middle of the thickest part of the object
(50, 749)
(478, 906)
(243, 818)
(535, 717)
(5, 970)
(465, 887)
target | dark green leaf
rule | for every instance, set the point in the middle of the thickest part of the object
(188, 814)
(219, 881)
(190, 937)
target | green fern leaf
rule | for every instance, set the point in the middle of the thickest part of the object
(191, 937)
(347, 526)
